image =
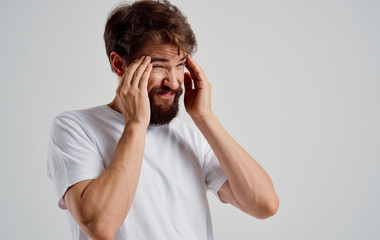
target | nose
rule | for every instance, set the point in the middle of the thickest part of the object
(171, 79)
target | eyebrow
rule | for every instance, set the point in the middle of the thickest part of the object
(166, 60)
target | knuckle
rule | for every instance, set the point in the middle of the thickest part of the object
(124, 92)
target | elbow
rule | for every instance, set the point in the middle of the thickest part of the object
(99, 229)
(269, 208)
(265, 208)
(269, 211)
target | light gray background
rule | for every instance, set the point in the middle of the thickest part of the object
(296, 83)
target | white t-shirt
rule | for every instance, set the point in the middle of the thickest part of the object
(177, 169)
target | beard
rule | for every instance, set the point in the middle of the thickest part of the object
(161, 114)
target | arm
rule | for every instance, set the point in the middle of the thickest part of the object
(100, 206)
(248, 186)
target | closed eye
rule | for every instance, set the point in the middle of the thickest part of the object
(181, 64)
(158, 66)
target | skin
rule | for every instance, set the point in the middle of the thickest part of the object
(101, 205)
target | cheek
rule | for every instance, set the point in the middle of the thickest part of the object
(180, 75)
(154, 81)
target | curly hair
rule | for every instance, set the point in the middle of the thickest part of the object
(130, 26)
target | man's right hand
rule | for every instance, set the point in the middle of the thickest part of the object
(100, 205)
(132, 95)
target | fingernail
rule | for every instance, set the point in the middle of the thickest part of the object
(142, 57)
(147, 58)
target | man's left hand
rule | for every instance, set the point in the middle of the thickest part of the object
(197, 91)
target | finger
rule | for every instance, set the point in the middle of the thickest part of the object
(139, 72)
(188, 82)
(122, 82)
(131, 70)
(194, 69)
(143, 84)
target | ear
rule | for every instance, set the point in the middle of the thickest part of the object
(117, 63)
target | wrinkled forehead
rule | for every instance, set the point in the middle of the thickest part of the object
(164, 52)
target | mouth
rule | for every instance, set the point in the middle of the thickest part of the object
(166, 95)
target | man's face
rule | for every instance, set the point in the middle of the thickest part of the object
(165, 81)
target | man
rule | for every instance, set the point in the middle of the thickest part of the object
(130, 169)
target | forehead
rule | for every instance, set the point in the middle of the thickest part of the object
(169, 52)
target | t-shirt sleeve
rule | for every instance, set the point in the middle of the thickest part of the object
(213, 172)
(72, 155)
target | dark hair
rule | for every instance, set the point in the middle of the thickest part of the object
(130, 26)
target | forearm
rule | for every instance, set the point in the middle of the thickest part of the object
(106, 200)
(250, 184)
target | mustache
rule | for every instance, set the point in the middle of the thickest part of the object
(165, 90)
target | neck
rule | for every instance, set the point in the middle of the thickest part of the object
(114, 105)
